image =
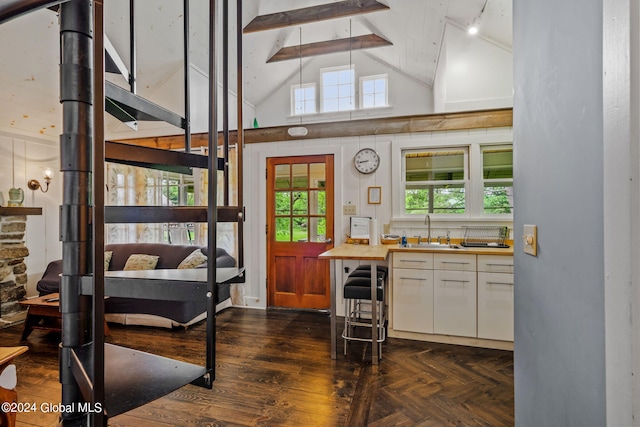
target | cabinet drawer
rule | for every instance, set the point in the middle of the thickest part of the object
(413, 300)
(459, 262)
(495, 263)
(413, 260)
(495, 306)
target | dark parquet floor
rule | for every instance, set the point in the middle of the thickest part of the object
(273, 369)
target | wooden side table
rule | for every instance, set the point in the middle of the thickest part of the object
(44, 313)
(7, 354)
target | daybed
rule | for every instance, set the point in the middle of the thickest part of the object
(142, 311)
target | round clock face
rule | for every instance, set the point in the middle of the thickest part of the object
(366, 160)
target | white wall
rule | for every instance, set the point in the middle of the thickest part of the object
(473, 73)
(406, 96)
(350, 188)
(170, 95)
(41, 237)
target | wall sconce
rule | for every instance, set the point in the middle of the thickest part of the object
(34, 184)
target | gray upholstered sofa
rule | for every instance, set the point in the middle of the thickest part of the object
(143, 311)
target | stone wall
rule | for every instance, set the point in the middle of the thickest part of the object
(13, 270)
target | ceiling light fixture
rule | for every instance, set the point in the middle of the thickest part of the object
(473, 28)
(297, 131)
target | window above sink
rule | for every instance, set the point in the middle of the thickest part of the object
(454, 177)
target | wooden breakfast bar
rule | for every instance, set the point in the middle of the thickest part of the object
(374, 254)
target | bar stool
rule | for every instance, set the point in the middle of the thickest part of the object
(357, 288)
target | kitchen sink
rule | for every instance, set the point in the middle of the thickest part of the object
(433, 246)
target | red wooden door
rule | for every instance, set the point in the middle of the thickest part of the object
(299, 228)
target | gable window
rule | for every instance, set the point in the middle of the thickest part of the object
(338, 89)
(373, 91)
(435, 181)
(497, 175)
(303, 99)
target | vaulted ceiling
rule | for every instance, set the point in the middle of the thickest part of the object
(414, 29)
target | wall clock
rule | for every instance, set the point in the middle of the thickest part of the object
(366, 160)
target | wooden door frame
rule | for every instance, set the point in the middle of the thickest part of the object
(257, 209)
(328, 159)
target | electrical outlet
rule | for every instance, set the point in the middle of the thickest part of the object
(349, 209)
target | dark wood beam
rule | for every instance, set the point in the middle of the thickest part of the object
(162, 214)
(366, 41)
(381, 126)
(310, 14)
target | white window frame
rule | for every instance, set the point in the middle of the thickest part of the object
(464, 181)
(324, 71)
(474, 139)
(293, 98)
(483, 181)
(363, 79)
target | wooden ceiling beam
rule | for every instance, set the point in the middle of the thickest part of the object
(381, 126)
(366, 41)
(310, 14)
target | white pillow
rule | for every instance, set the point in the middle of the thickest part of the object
(107, 259)
(141, 262)
(193, 260)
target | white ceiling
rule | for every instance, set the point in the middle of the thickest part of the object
(29, 82)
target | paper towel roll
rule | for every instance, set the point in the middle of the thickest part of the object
(374, 235)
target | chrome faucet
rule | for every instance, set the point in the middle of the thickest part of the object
(427, 222)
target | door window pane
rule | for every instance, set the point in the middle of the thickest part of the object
(317, 171)
(300, 176)
(283, 202)
(283, 229)
(317, 202)
(300, 203)
(318, 229)
(300, 229)
(283, 176)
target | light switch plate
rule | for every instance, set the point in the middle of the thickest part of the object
(530, 239)
(349, 209)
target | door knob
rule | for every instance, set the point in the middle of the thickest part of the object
(328, 241)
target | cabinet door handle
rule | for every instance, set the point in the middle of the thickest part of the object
(500, 283)
(412, 278)
(500, 265)
(455, 281)
(455, 262)
(411, 260)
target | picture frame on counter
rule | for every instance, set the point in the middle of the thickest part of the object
(375, 195)
(359, 227)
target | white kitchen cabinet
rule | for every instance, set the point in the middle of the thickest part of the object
(455, 262)
(413, 300)
(495, 263)
(453, 297)
(413, 260)
(454, 302)
(413, 292)
(495, 297)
